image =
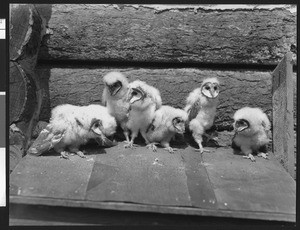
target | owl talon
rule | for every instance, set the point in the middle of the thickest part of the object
(251, 157)
(64, 155)
(152, 146)
(206, 150)
(130, 145)
(201, 150)
(81, 154)
(170, 149)
(263, 155)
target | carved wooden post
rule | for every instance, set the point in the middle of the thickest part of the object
(283, 117)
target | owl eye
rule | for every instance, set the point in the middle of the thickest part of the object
(177, 120)
(207, 87)
(215, 88)
(134, 93)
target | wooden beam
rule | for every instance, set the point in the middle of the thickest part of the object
(283, 114)
(130, 33)
(55, 215)
(145, 181)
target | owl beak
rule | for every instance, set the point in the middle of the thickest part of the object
(100, 138)
(135, 94)
(103, 140)
(213, 93)
(130, 96)
(241, 125)
(241, 128)
(114, 88)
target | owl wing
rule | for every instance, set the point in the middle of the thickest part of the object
(104, 96)
(156, 121)
(194, 110)
(157, 98)
(234, 146)
(45, 141)
(151, 126)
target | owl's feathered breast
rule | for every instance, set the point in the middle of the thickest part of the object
(119, 109)
(254, 142)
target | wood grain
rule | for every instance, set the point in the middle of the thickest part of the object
(127, 33)
(140, 180)
(26, 32)
(242, 185)
(20, 21)
(51, 176)
(139, 176)
(283, 114)
(27, 28)
(200, 189)
(22, 94)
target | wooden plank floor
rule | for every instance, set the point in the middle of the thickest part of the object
(219, 184)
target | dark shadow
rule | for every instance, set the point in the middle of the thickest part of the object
(64, 215)
(119, 135)
(206, 143)
(237, 150)
(179, 142)
(90, 148)
(43, 74)
(93, 148)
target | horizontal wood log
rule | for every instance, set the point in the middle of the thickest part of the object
(128, 33)
(238, 88)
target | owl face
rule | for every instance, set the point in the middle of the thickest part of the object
(138, 98)
(114, 87)
(241, 125)
(179, 125)
(116, 83)
(210, 89)
(98, 131)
